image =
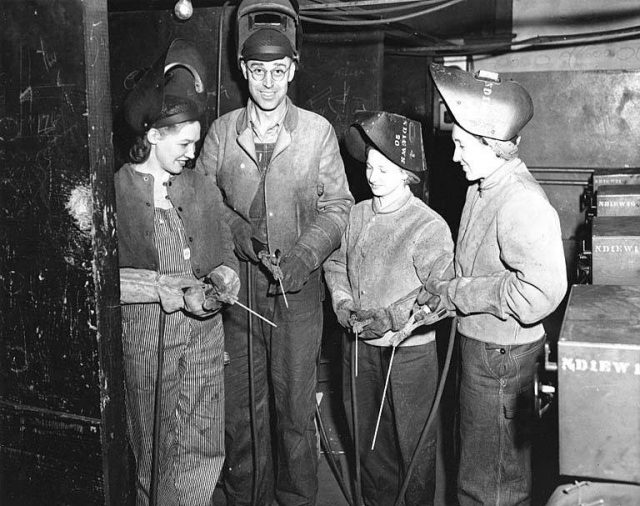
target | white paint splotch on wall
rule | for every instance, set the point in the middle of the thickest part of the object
(80, 207)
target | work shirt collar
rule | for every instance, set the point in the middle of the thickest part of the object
(270, 134)
(289, 122)
(397, 203)
(498, 175)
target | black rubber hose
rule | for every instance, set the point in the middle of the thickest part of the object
(331, 457)
(157, 414)
(354, 417)
(252, 390)
(432, 413)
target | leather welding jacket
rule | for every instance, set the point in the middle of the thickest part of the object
(198, 203)
(509, 263)
(385, 255)
(306, 194)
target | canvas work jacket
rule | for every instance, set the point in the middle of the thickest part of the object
(198, 203)
(306, 194)
(385, 256)
(510, 267)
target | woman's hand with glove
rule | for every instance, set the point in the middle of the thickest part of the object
(226, 284)
(345, 310)
(382, 320)
(222, 287)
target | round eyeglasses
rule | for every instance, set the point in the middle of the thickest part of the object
(259, 73)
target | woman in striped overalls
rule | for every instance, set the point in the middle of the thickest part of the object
(177, 268)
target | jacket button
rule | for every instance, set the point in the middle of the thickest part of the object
(148, 204)
(180, 209)
(502, 351)
(190, 239)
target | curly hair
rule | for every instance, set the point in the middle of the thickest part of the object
(139, 152)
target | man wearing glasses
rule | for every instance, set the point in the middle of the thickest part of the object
(280, 171)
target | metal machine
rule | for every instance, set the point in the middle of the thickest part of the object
(598, 367)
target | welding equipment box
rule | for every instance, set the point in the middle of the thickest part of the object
(599, 383)
(618, 200)
(615, 250)
(615, 177)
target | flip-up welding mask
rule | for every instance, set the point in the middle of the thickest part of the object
(396, 137)
(171, 91)
(283, 33)
(483, 103)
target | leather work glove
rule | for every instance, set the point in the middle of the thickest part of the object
(345, 310)
(295, 273)
(242, 242)
(226, 284)
(435, 295)
(143, 286)
(382, 321)
(195, 299)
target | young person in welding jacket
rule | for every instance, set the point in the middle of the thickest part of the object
(280, 170)
(510, 274)
(393, 244)
(172, 237)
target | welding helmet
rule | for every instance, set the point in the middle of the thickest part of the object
(395, 136)
(267, 30)
(483, 103)
(171, 91)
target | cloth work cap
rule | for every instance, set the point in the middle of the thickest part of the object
(395, 136)
(170, 92)
(483, 103)
(267, 44)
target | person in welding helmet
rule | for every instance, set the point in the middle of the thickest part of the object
(287, 201)
(510, 274)
(177, 268)
(393, 244)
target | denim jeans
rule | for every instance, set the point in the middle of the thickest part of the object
(285, 365)
(496, 418)
(410, 395)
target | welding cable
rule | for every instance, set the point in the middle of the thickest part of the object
(367, 22)
(539, 41)
(354, 421)
(432, 413)
(157, 414)
(341, 10)
(331, 457)
(343, 6)
(252, 389)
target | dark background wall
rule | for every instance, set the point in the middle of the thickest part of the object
(61, 400)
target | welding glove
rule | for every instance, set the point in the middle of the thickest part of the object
(435, 295)
(345, 310)
(382, 321)
(198, 302)
(241, 232)
(226, 284)
(295, 272)
(142, 286)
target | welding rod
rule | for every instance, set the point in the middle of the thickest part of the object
(254, 313)
(384, 394)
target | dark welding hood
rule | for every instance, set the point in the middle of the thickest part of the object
(279, 15)
(483, 103)
(395, 136)
(171, 91)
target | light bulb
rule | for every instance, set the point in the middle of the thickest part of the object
(183, 9)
